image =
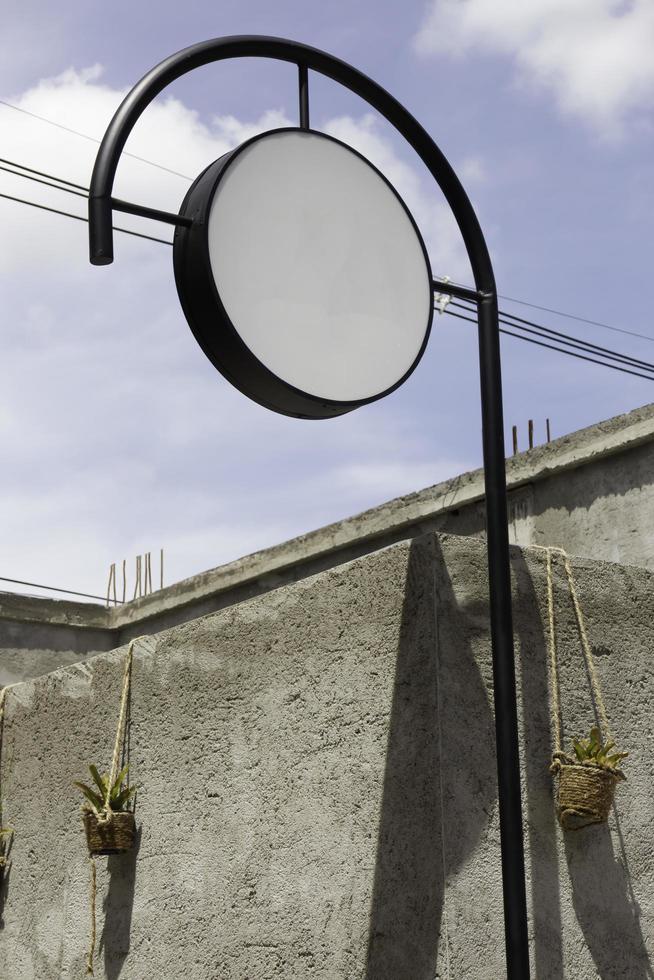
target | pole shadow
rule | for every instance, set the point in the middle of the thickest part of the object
(541, 823)
(119, 902)
(605, 904)
(6, 840)
(118, 908)
(5, 873)
(437, 792)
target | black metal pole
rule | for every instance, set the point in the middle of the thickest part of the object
(101, 253)
(504, 688)
(303, 86)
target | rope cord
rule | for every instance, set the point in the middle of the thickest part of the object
(91, 953)
(596, 691)
(554, 667)
(107, 812)
(120, 730)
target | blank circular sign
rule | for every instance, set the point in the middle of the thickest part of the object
(303, 275)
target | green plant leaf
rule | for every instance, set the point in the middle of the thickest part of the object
(119, 779)
(119, 802)
(100, 781)
(591, 751)
(92, 797)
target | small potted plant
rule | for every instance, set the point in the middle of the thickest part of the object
(587, 782)
(108, 823)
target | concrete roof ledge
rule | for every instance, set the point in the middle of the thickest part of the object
(568, 452)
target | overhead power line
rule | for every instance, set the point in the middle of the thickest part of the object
(559, 341)
(78, 217)
(53, 588)
(93, 139)
(176, 173)
(41, 173)
(561, 350)
(564, 338)
(581, 319)
(39, 180)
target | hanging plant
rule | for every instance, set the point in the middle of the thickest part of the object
(108, 822)
(587, 781)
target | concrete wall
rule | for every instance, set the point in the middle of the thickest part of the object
(592, 491)
(602, 510)
(318, 794)
(38, 635)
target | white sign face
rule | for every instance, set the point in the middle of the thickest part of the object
(319, 266)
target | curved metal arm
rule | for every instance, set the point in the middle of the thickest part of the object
(280, 49)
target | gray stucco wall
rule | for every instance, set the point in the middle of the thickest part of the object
(38, 635)
(604, 510)
(29, 651)
(318, 794)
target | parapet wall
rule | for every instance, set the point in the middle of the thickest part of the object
(592, 491)
(317, 785)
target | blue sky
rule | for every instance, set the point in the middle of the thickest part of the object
(118, 436)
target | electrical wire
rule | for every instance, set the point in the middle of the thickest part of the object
(581, 319)
(530, 340)
(41, 173)
(517, 323)
(78, 217)
(93, 139)
(39, 180)
(563, 338)
(176, 173)
(53, 588)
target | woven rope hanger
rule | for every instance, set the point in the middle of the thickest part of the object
(107, 813)
(598, 700)
(585, 791)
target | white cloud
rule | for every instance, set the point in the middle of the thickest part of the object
(472, 171)
(595, 56)
(116, 434)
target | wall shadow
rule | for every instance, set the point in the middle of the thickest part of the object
(5, 873)
(119, 901)
(6, 840)
(424, 837)
(539, 807)
(118, 908)
(605, 904)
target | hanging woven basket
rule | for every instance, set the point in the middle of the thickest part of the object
(585, 792)
(112, 835)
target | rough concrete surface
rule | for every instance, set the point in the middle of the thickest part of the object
(317, 786)
(31, 649)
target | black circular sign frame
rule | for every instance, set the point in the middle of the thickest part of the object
(210, 322)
